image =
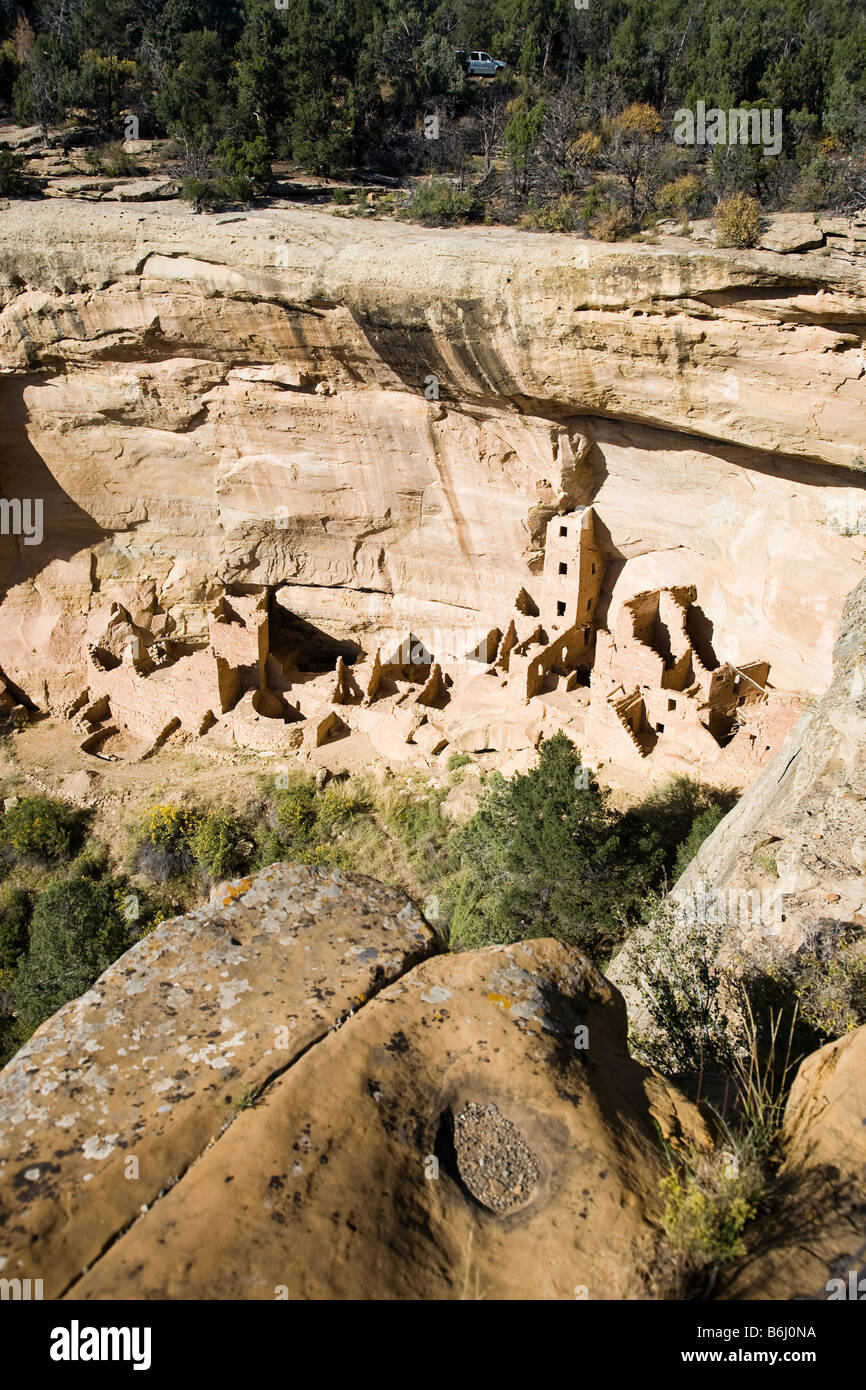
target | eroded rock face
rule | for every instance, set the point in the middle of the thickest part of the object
(251, 400)
(475, 1129)
(112, 1098)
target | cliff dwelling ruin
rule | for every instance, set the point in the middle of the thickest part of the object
(643, 683)
(261, 536)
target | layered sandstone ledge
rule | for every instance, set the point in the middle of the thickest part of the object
(644, 332)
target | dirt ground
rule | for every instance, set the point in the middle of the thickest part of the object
(46, 757)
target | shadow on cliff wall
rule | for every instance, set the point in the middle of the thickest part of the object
(66, 527)
(412, 354)
(624, 432)
(300, 644)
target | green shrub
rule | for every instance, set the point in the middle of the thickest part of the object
(703, 1007)
(439, 204)
(564, 215)
(93, 861)
(77, 931)
(832, 992)
(221, 845)
(681, 197)
(674, 969)
(336, 807)
(826, 979)
(202, 193)
(145, 908)
(764, 858)
(709, 1196)
(611, 223)
(702, 827)
(269, 848)
(244, 164)
(10, 68)
(114, 160)
(235, 188)
(592, 202)
(682, 812)
(14, 922)
(294, 816)
(413, 815)
(738, 220)
(163, 848)
(458, 760)
(42, 827)
(456, 909)
(548, 856)
(12, 182)
(362, 844)
(14, 1033)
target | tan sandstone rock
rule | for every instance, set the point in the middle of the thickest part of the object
(290, 1096)
(457, 1138)
(785, 865)
(114, 1097)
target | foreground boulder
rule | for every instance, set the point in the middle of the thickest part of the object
(461, 1126)
(449, 1141)
(113, 1098)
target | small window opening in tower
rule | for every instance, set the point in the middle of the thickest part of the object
(592, 569)
(560, 609)
(563, 530)
(563, 567)
(672, 704)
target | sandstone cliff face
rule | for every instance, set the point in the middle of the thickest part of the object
(784, 869)
(457, 1127)
(212, 401)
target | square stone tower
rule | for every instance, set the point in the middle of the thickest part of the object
(574, 566)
